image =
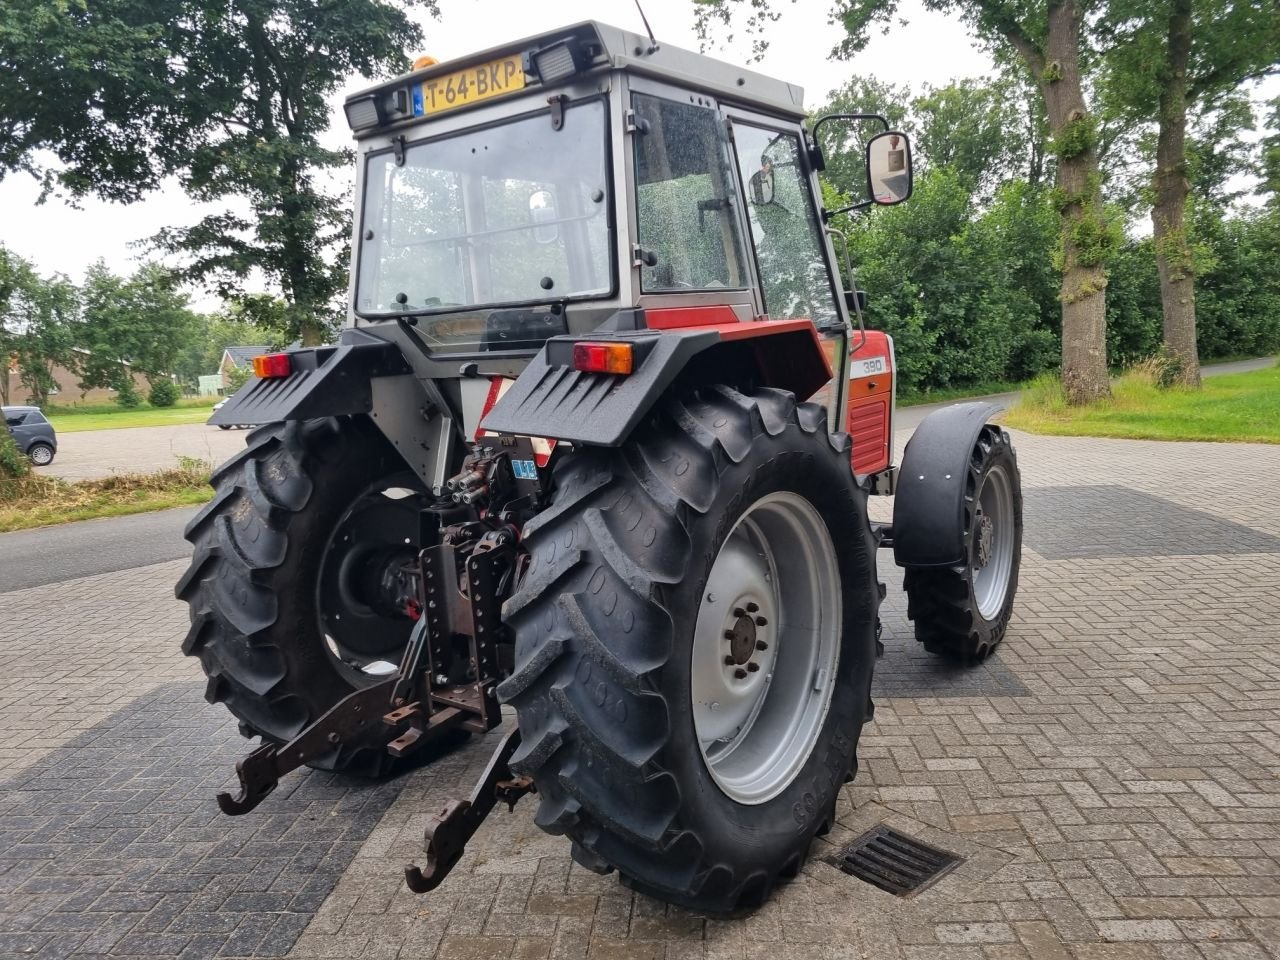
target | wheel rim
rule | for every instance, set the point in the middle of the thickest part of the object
(765, 648)
(41, 456)
(375, 535)
(992, 551)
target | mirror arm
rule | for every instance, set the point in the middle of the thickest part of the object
(852, 208)
(815, 150)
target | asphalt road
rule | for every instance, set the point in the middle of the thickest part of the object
(32, 558)
(53, 554)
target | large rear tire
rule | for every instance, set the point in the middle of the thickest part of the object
(645, 571)
(963, 612)
(264, 579)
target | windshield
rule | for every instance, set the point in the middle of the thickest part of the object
(515, 213)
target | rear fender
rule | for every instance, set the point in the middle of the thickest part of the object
(552, 399)
(928, 511)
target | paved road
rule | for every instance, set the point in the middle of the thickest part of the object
(73, 550)
(910, 417)
(1108, 776)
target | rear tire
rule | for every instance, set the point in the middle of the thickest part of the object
(963, 612)
(260, 548)
(41, 454)
(607, 678)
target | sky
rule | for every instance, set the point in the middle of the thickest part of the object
(931, 49)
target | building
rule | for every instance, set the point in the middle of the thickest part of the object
(68, 390)
(238, 358)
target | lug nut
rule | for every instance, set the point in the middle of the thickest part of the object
(729, 661)
(761, 622)
(761, 645)
(752, 607)
(739, 612)
(753, 666)
(728, 634)
(740, 674)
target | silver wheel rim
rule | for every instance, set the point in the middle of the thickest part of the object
(41, 456)
(992, 552)
(765, 648)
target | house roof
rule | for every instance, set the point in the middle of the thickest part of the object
(243, 356)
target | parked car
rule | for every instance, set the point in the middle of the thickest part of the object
(227, 426)
(33, 432)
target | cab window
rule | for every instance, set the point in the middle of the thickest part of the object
(686, 208)
(784, 226)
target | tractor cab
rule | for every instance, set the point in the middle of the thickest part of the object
(594, 179)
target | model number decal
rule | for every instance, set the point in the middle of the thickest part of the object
(868, 367)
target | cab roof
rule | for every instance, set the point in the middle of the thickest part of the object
(614, 48)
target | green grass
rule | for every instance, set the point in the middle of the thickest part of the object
(36, 501)
(109, 416)
(1243, 407)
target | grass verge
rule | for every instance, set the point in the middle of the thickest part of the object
(35, 501)
(108, 416)
(1241, 407)
(947, 394)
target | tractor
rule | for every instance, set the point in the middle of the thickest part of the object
(590, 463)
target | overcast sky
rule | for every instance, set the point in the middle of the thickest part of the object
(932, 49)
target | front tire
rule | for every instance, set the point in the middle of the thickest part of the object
(279, 635)
(614, 680)
(963, 612)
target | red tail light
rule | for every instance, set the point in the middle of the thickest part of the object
(602, 358)
(272, 365)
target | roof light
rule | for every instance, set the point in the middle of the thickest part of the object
(271, 366)
(363, 113)
(424, 61)
(556, 62)
(602, 358)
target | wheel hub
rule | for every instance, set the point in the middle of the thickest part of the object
(985, 541)
(742, 636)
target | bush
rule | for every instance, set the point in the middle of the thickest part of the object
(13, 465)
(127, 394)
(164, 393)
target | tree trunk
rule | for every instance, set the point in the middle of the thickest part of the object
(1085, 377)
(1168, 215)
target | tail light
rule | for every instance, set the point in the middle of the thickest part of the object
(602, 358)
(272, 365)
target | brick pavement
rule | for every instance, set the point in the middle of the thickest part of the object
(1110, 777)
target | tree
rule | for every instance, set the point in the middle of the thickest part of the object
(1171, 55)
(1046, 37)
(231, 95)
(974, 128)
(136, 324)
(36, 316)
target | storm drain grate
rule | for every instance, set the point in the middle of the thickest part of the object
(893, 861)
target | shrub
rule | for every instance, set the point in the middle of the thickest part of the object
(13, 465)
(164, 393)
(127, 394)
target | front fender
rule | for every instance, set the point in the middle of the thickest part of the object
(928, 509)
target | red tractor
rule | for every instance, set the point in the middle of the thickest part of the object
(596, 444)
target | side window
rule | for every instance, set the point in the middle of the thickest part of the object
(13, 421)
(35, 416)
(685, 202)
(784, 226)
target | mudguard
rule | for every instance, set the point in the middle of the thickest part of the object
(326, 382)
(552, 399)
(928, 511)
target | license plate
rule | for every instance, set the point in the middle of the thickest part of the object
(462, 87)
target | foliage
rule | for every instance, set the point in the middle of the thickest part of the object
(127, 395)
(13, 464)
(35, 327)
(1234, 407)
(164, 393)
(37, 501)
(130, 325)
(231, 98)
(237, 378)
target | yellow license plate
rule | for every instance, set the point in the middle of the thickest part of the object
(457, 89)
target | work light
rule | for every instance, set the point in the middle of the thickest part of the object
(556, 62)
(363, 113)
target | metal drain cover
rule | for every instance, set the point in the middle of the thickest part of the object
(893, 861)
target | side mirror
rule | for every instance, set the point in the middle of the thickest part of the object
(761, 186)
(889, 168)
(542, 207)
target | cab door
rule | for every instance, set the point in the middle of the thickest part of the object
(792, 258)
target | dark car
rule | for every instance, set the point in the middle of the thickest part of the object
(33, 433)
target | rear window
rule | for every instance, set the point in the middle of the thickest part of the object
(35, 416)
